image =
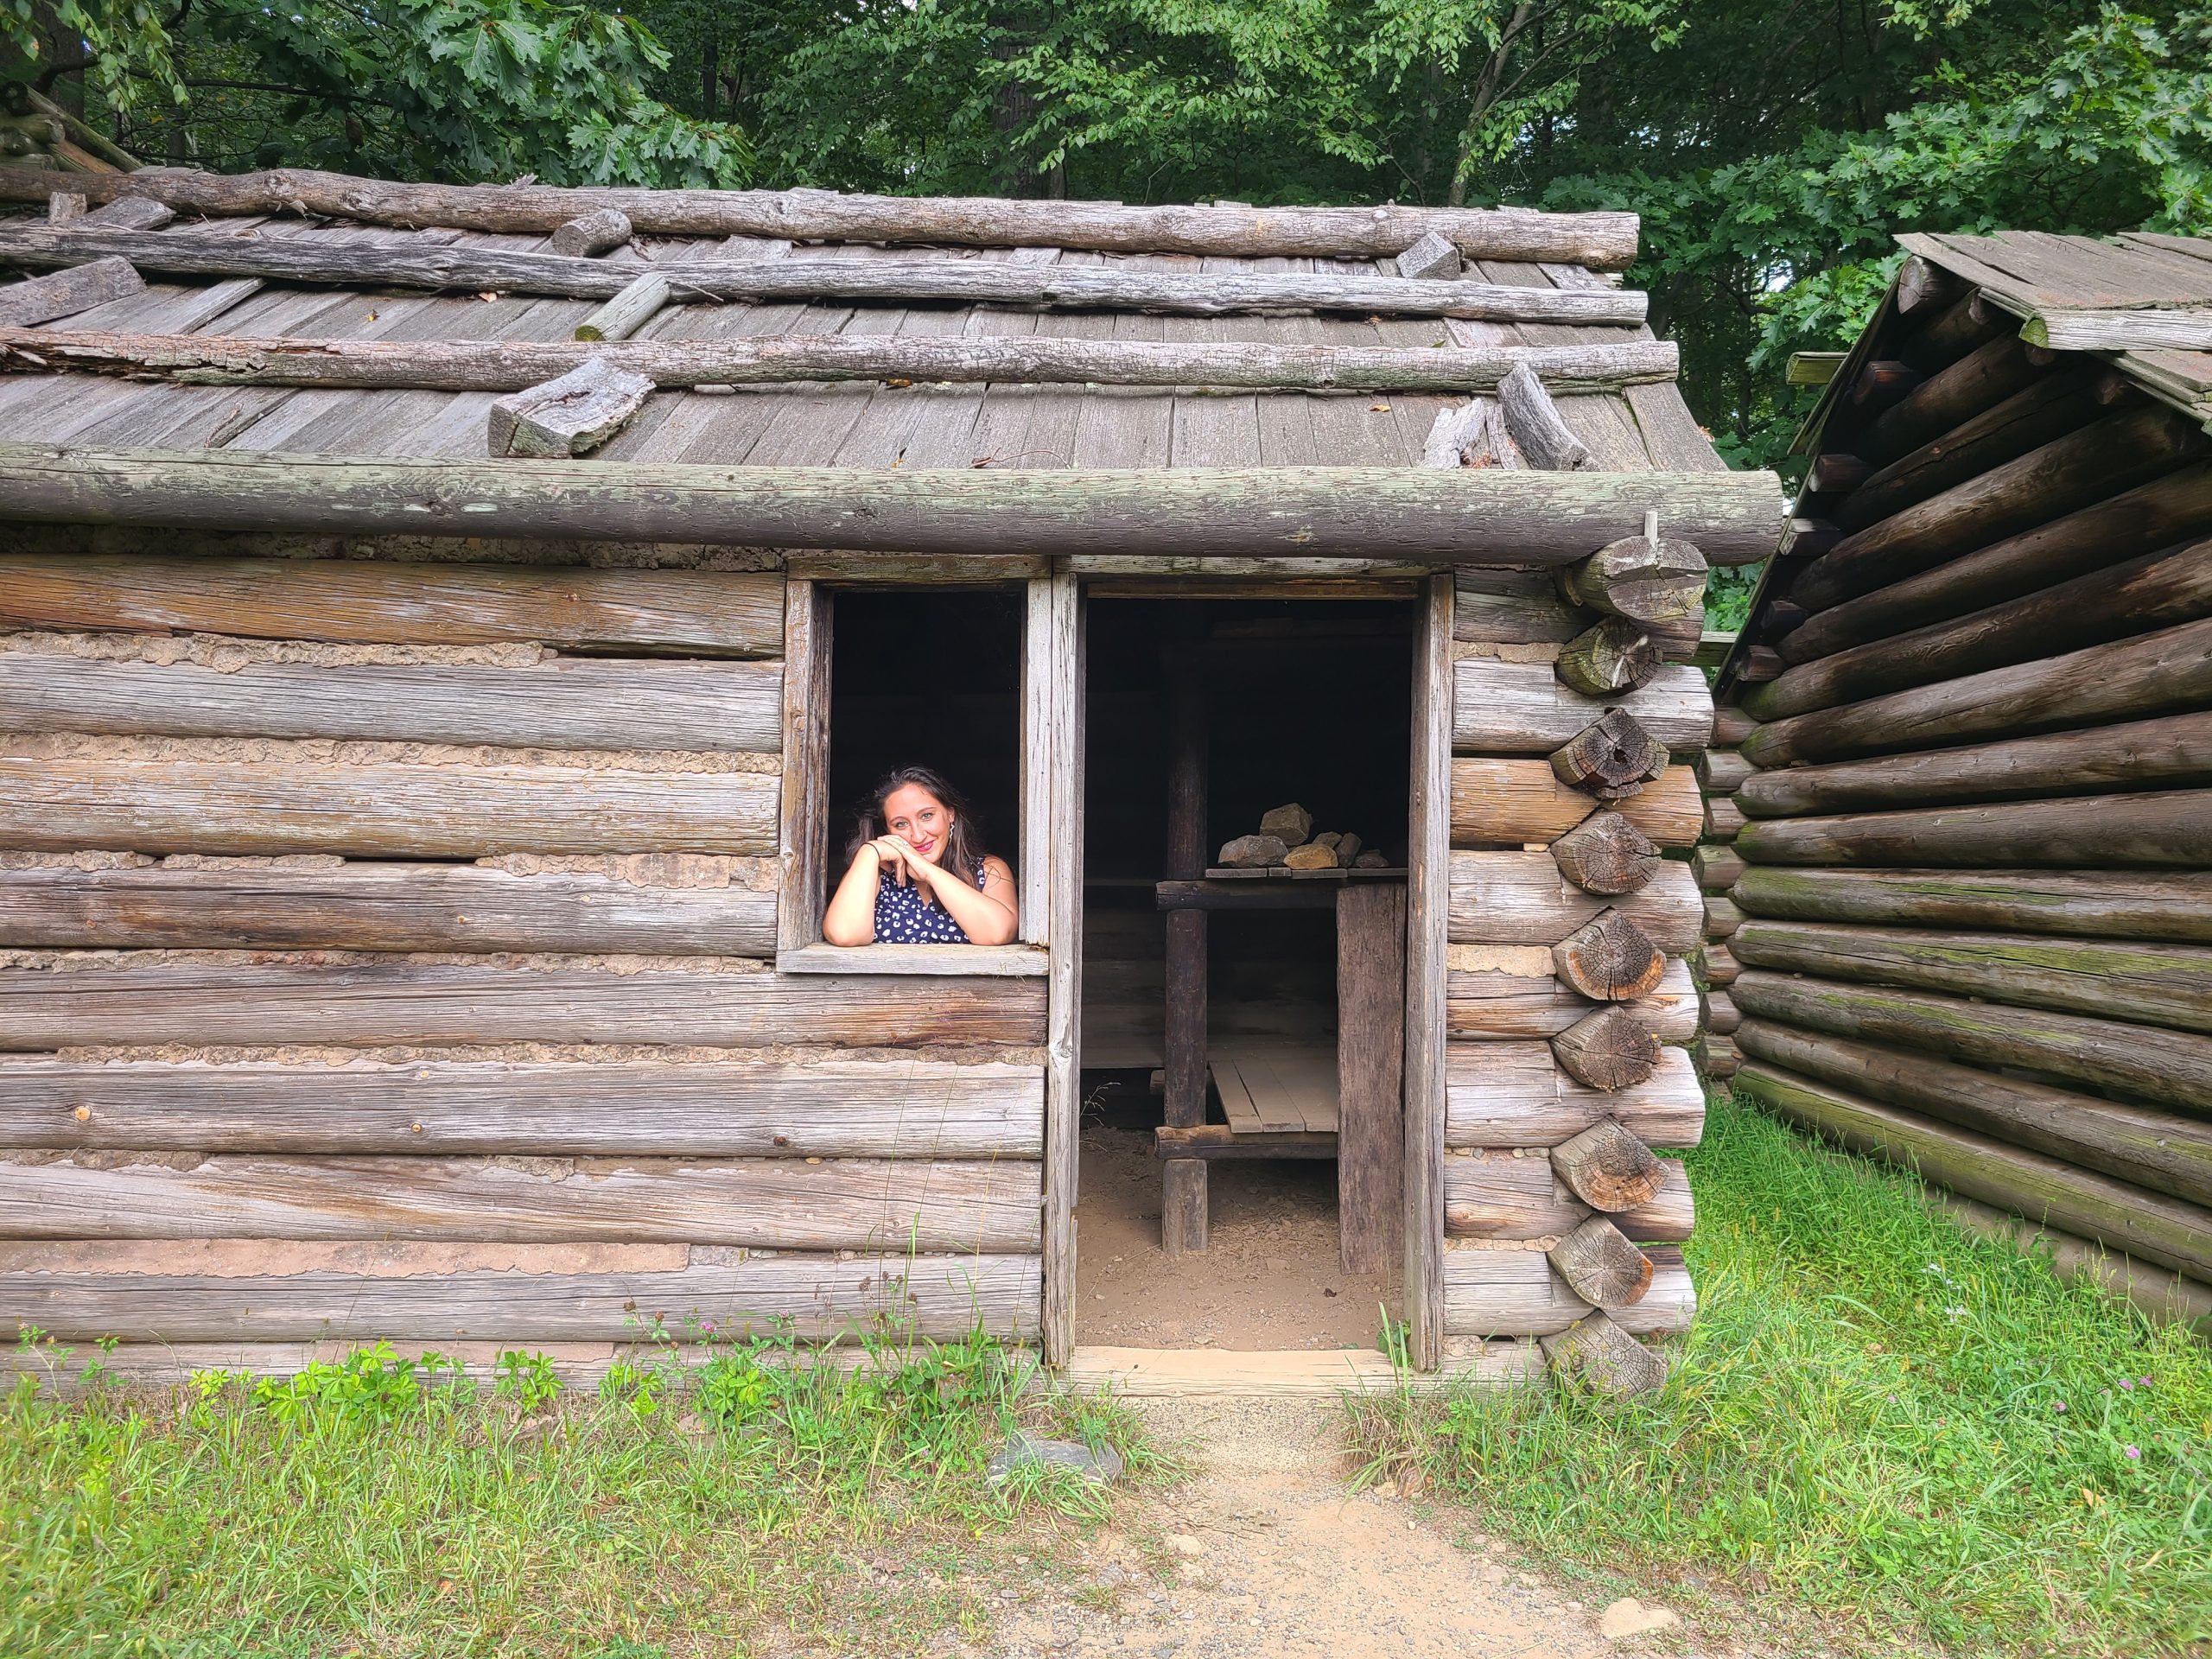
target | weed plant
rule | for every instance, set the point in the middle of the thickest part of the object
(1923, 1437)
(389, 1505)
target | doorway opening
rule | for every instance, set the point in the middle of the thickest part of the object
(1240, 1024)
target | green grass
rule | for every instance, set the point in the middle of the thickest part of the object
(382, 1507)
(1881, 1429)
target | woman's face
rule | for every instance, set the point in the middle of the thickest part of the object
(912, 812)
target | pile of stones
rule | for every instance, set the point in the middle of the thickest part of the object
(1286, 838)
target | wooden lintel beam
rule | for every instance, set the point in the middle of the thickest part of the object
(1216, 1141)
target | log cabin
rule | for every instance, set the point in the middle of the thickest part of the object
(442, 644)
(1958, 836)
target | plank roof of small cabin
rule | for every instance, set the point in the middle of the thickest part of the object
(1636, 427)
(2125, 300)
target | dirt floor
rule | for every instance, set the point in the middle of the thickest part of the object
(1264, 1551)
(1268, 1278)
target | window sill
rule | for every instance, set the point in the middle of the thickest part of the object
(1002, 961)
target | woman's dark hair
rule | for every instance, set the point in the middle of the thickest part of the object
(964, 848)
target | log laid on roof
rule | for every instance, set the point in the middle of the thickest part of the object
(2169, 1231)
(2172, 830)
(2096, 904)
(2174, 751)
(2148, 1062)
(475, 269)
(439, 1005)
(66, 292)
(2175, 508)
(2164, 1151)
(738, 1107)
(516, 364)
(377, 906)
(1603, 241)
(381, 601)
(1464, 516)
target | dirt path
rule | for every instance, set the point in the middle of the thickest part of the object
(1266, 1555)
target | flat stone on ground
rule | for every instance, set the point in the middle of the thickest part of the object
(1023, 1450)
(1629, 1617)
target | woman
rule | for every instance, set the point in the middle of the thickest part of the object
(918, 873)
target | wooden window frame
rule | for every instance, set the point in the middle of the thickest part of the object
(1048, 660)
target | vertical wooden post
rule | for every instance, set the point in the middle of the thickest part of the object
(1427, 905)
(1040, 669)
(1183, 1200)
(1371, 1053)
(803, 841)
(1057, 610)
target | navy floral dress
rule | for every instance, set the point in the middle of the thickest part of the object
(907, 916)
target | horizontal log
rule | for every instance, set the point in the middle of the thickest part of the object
(806, 1297)
(1512, 1007)
(1601, 240)
(2161, 1297)
(1966, 325)
(2094, 904)
(736, 1108)
(1723, 818)
(2173, 751)
(516, 364)
(475, 268)
(2069, 473)
(435, 1004)
(2146, 1062)
(1515, 1293)
(1464, 514)
(1218, 1140)
(1521, 709)
(1491, 606)
(1947, 399)
(2168, 1231)
(2175, 508)
(695, 612)
(1721, 772)
(765, 1204)
(1716, 869)
(1505, 1095)
(1721, 1017)
(1716, 1056)
(2037, 414)
(1506, 1198)
(1721, 917)
(378, 811)
(2155, 984)
(2164, 1151)
(66, 293)
(1731, 725)
(1715, 965)
(2145, 831)
(2141, 596)
(1517, 802)
(1522, 899)
(564, 704)
(377, 906)
(2166, 672)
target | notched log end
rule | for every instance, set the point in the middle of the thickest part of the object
(1609, 1050)
(1599, 1355)
(1608, 1168)
(1601, 1266)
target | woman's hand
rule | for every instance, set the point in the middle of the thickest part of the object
(906, 865)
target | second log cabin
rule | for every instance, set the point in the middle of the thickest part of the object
(437, 666)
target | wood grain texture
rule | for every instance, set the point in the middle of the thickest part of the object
(1522, 899)
(1428, 993)
(1521, 608)
(694, 612)
(564, 704)
(1497, 803)
(1062, 664)
(808, 1297)
(2093, 904)
(1371, 1060)
(428, 1004)
(1508, 1008)
(2169, 1231)
(1513, 1198)
(1522, 707)
(1515, 1293)
(377, 906)
(1602, 241)
(2167, 1152)
(392, 810)
(1514, 1095)
(2143, 1062)
(1469, 515)
(737, 1109)
(764, 1203)
(2170, 829)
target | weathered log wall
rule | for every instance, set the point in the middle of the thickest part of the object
(1963, 864)
(386, 950)
(1568, 999)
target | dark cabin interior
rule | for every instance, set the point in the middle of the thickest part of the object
(1304, 701)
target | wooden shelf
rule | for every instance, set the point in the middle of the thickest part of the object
(1278, 872)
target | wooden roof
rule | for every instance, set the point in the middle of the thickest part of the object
(876, 423)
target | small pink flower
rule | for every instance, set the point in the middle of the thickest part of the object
(2059, 1405)
(2146, 1381)
(2132, 1451)
(2126, 1382)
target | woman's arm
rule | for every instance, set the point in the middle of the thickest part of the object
(990, 917)
(850, 918)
